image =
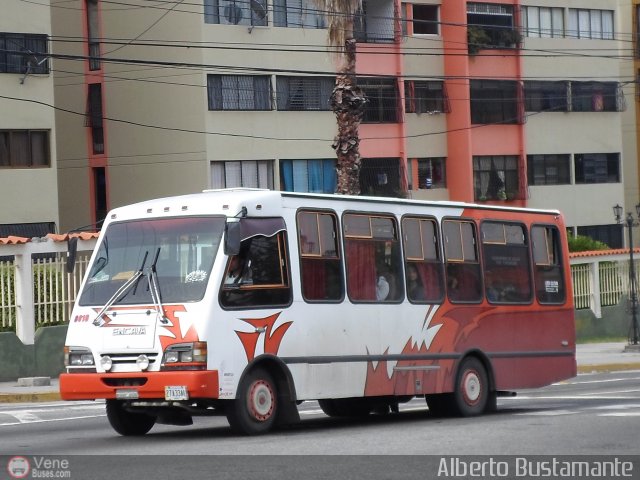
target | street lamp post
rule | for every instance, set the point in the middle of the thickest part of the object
(629, 222)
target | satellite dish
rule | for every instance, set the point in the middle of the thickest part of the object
(258, 9)
(233, 13)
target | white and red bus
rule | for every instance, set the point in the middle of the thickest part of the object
(247, 302)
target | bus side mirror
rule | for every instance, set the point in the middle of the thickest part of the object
(72, 251)
(232, 238)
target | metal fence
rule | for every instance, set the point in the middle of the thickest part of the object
(54, 290)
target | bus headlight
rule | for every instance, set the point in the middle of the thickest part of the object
(186, 356)
(78, 357)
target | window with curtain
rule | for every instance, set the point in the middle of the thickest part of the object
(239, 92)
(242, 173)
(24, 148)
(464, 276)
(315, 176)
(304, 93)
(552, 169)
(22, 51)
(373, 258)
(320, 265)
(297, 14)
(545, 22)
(494, 101)
(425, 97)
(595, 24)
(595, 97)
(424, 273)
(495, 177)
(597, 167)
(236, 12)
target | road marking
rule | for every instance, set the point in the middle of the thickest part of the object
(591, 382)
(45, 420)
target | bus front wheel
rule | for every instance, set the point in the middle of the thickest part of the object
(472, 388)
(256, 405)
(128, 423)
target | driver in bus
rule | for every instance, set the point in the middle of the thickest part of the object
(238, 271)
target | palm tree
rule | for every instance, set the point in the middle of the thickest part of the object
(347, 99)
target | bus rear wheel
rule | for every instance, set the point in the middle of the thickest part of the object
(128, 423)
(471, 393)
(256, 405)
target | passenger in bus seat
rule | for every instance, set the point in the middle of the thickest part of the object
(382, 288)
(415, 288)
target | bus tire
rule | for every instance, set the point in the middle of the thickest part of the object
(128, 423)
(472, 388)
(255, 408)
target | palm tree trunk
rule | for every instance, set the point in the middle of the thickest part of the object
(347, 102)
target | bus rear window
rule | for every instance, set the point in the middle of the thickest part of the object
(548, 273)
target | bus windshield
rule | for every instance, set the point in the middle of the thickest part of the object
(178, 252)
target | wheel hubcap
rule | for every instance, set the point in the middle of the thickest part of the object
(261, 400)
(471, 387)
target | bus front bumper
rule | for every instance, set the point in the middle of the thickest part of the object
(147, 385)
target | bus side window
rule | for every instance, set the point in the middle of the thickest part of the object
(373, 258)
(548, 273)
(464, 282)
(423, 264)
(320, 266)
(259, 275)
(507, 272)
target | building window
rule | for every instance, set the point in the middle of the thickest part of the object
(24, 148)
(100, 195)
(94, 117)
(380, 177)
(23, 53)
(542, 96)
(545, 22)
(297, 14)
(245, 173)
(595, 97)
(597, 167)
(495, 177)
(375, 22)
(494, 101)
(93, 34)
(239, 92)
(548, 169)
(304, 93)
(491, 25)
(597, 24)
(424, 18)
(316, 176)
(431, 173)
(236, 12)
(612, 234)
(425, 97)
(382, 94)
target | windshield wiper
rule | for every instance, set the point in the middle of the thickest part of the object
(154, 289)
(119, 294)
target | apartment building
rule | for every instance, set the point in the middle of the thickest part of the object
(523, 104)
(28, 166)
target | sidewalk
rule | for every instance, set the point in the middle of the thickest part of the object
(591, 357)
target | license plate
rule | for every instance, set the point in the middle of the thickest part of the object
(176, 393)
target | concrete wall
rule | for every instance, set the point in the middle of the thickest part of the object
(45, 358)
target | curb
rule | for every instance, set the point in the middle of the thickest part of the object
(611, 367)
(29, 397)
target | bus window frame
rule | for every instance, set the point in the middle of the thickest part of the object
(339, 252)
(525, 245)
(561, 264)
(399, 272)
(440, 261)
(477, 262)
